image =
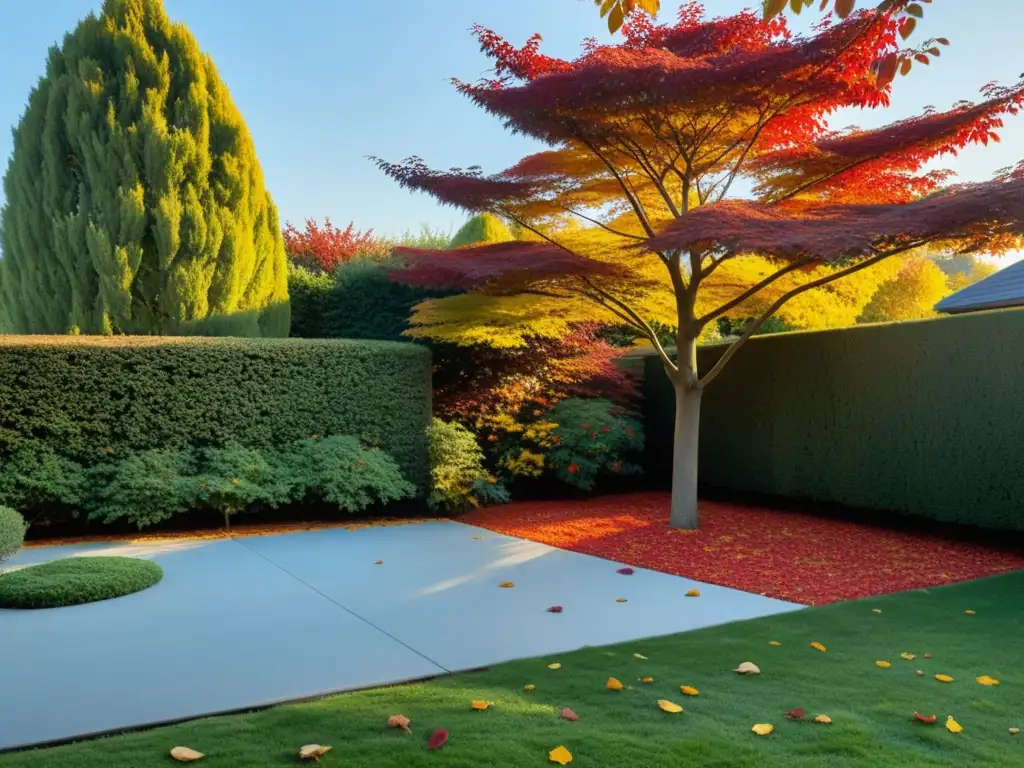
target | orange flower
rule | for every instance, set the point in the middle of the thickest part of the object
(492, 438)
(573, 469)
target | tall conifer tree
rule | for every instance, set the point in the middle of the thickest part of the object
(134, 199)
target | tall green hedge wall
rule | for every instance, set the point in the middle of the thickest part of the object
(93, 398)
(922, 418)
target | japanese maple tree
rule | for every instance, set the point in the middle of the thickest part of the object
(649, 140)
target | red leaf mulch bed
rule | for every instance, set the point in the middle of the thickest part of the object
(789, 555)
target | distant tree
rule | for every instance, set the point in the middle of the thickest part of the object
(647, 138)
(910, 295)
(134, 200)
(482, 228)
(322, 249)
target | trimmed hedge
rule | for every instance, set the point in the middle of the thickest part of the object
(923, 418)
(77, 580)
(95, 398)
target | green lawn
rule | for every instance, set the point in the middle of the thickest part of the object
(871, 708)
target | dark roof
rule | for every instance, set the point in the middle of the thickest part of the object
(1003, 289)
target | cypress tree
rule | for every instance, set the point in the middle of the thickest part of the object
(134, 199)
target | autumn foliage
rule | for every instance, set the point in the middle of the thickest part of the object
(323, 248)
(632, 207)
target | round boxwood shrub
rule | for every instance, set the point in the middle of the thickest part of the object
(12, 533)
(76, 580)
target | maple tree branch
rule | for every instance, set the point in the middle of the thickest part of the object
(751, 291)
(641, 215)
(599, 223)
(778, 303)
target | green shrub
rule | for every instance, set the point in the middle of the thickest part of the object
(145, 488)
(593, 438)
(308, 291)
(340, 471)
(458, 478)
(233, 478)
(12, 533)
(77, 580)
(88, 399)
(38, 480)
(482, 229)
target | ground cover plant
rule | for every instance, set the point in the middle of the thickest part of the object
(820, 661)
(76, 580)
(789, 555)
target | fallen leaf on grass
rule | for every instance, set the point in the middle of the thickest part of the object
(646, 680)
(399, 721)
(876, 610)
(613, 684)
(920, 673)
(819, 647)
(689, 690)
(668, 706)
(639, 656)
(969, 613)
(438, 739)
(556, 665)
(926, 719)
(795, 714)
(555, 609)
(883, 664)
(1014, 731)
(763, 729)
(506, 585)
(560, 755)
(986, 680)
(927, 655)
(693, 593)
(620, 600)
(748, 668)
(823, 719)
(479, 704)
(313, 752)
(625, 571)
(186, 755)
(907, 656)
(952, 725)
(776, 643)
(529, 687)
(568, 714)
(944, 678)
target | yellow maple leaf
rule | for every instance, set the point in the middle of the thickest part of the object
(763, 729)
(186, 755)
(668, 706)
(560, 755)
(774, 642)
(613, 684)
(1014, 731)
(819, 647)
(529, 687)
(556, 665)
(689, 690)
(313, 752)
(883, 664)
(480, 704)
(944, 678)
(969, 612)
(823, 719)
(952, 725)
(986, 680)
(647, 680)
(907, 656)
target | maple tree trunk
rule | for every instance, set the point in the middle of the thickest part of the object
(684, 458)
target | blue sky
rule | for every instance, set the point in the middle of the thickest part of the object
(323, 83)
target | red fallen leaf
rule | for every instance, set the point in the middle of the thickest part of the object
(796, 714)
(568, 714)
(929, 719)
(438, 739)
(555, 609)
(625, 571)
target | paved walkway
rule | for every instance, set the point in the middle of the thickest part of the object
(239, 623)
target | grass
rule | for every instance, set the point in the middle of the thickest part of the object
(871, 708)
(76, 580)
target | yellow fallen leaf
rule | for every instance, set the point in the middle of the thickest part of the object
(969, 613)
(952, 725)
(620, 599)
(480, 704)
(748, 668)
(556, 665)
(907, 656)
(689, 690)
(774, 642)
(944, 678)
(883, 664)
(529, 687)
(646, 680)
(763, 729)
(920, 673)
(1014, 731)
(186, 755)
(819, 647)
(693, 593)
(560, 755)
(668, 706)
(506, 585)
(986, 680)
(640, 656)
(613, 684)
(313, 751)
(823, 719)
(876, 610)
(399, 721)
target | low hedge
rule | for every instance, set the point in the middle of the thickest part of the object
(89, 399)
(76, 580)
